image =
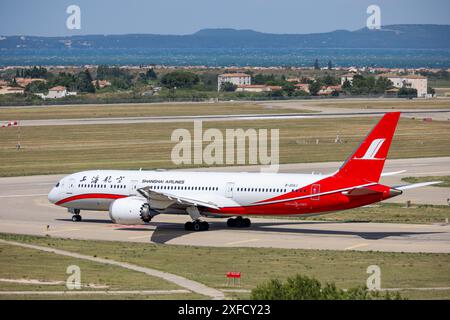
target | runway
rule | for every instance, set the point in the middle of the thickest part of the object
(438, 114)
(24, 209)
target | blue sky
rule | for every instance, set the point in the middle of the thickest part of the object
(48, 17)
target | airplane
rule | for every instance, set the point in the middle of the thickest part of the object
(136, 196)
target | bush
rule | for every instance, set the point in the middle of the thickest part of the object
(305, 288)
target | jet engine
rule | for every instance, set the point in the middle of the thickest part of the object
(131, 210)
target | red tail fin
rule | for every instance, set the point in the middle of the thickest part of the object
(368, 160)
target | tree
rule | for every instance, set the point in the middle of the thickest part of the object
(330, 65)
(314, 88)
(84, 82)
(36, 87)
(151, 74)
(407, 93)
(347, 85)
(316, 64)
(228, 87)
(330, 80)
(431, 90)
(179, 79)
(289, 88)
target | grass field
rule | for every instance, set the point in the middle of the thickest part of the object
(444, 184)
(56, 149)
(134, 110)
(209, 265)
(24, 263)
(389, 213)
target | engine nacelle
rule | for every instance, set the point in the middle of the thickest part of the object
(131, 210)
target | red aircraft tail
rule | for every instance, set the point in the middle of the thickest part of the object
(368, 160)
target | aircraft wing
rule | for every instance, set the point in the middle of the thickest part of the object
(416, 185)
(162, 200)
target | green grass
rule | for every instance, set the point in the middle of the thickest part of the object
(394, 104)
(24, 263)
(176, 296)
(209, 265)
(134, 110)
(66, 149)
(388, 213)
(445, 180)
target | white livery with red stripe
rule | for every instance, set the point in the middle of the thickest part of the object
(134, 197)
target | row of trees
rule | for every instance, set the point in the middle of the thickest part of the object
(80, 82)
(367, 85)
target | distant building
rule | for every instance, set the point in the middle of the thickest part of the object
(302, 87)
(23, 82)
(329, 90)
(56, 93)
(420, 83)
(253, 88)
(234, 78)
(101, 83)
(8, 90)
(347, 77)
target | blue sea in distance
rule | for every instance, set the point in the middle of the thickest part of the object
(217, 57)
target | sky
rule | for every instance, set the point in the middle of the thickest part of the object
(48, 17)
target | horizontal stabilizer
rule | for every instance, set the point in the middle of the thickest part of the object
(416, 185)
(361, 191)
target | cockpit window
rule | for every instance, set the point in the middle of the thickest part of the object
(57, 185)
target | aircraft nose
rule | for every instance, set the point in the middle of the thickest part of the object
(52, 196)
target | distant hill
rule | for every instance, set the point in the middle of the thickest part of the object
(423, 36)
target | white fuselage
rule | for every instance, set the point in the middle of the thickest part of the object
(96, 190)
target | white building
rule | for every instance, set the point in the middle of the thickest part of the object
(347, 77)
(234, 78)
(413, 81)
(56, 92)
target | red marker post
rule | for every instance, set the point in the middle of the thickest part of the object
(14, 123)
(233, 278)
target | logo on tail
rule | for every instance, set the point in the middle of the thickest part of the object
(373, 150)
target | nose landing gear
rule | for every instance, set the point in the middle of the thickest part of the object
(76, 214)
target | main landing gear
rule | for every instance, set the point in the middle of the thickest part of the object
(196, 224)
(239, 222)
(76, 215)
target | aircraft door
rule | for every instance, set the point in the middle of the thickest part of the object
(69, 186)
(133, 187)
(229, 189)
(315, 189)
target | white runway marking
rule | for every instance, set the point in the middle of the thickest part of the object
(359, 245)
(23, 195)
(242, 241)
